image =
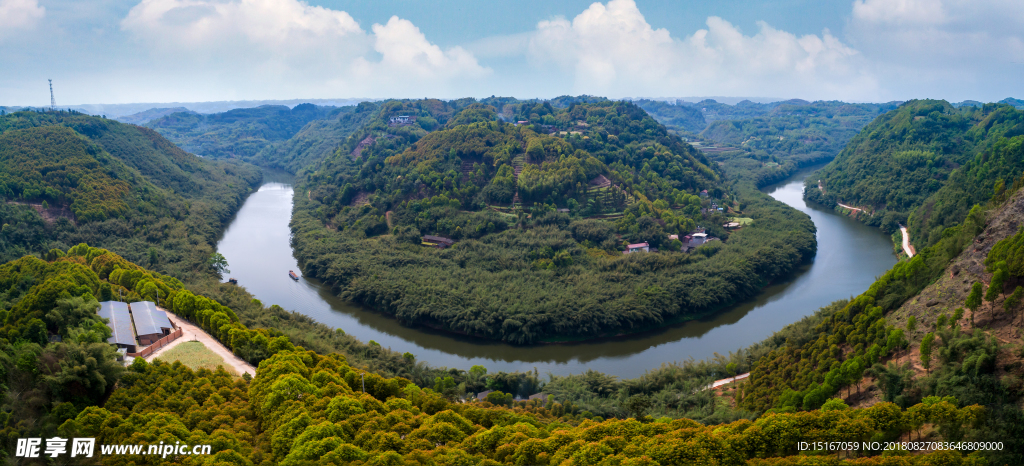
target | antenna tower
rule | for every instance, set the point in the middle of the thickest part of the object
(53, 103)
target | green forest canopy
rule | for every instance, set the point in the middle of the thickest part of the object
(519, 271)
(116, 185)
(925, 164)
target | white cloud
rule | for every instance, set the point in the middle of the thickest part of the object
(19, 15)
(290, 46)
(407, 54)
(900, 11)
(951, 49)
(611, 49)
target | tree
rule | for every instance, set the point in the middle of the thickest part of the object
(891, 378)
(957, 315)
(926, 350)
(834, 404)
(911, 324)
(974, 300)
(219, 263)
(637, 406)
(1014, 299)
(995, 287)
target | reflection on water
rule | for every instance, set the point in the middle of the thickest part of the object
(850, 256)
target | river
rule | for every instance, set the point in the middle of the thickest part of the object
(850, 256)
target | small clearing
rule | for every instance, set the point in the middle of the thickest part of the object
(196, 355)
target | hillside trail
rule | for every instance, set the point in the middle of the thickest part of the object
(907, 247)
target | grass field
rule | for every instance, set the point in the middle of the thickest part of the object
(195, 355)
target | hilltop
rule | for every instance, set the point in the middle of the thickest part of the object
(539, 201)
(70, 177)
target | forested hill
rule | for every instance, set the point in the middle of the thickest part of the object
(540, 211)
(771, 141)
(312, 407)
(477, 159)
(315, 141)
(675, 116)
(68, 178)
(815, 130)
(239, 133)
(944, 325)
(902, 160)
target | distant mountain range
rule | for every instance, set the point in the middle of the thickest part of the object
(128, 112)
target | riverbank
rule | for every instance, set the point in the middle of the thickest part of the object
(849, 256)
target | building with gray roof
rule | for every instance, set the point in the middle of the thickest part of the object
(151, 324)
(120, 322)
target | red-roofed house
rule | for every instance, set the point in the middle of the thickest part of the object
(638, 247)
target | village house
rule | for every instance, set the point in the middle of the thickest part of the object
(439, 242)
(638, 247)
(704, 194)
(399, 120)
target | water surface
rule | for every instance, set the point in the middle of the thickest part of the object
(850, 256)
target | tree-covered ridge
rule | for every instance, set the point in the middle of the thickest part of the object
(115, 185)
(550, 162)
(675, 117)
(528, 273)
(818, 127)
(908, 154)
(240, 133)
(941, 324)
(771, 141)
(848, 342)
(305, 407)
(56, 165)
(315, 141)
(989, 173)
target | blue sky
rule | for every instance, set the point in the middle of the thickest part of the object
(108, 51)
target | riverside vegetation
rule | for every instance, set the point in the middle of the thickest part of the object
(304, 407)
(308, 406)
(924, 165)
(522, 271)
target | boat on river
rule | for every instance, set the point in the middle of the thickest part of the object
(291, 273)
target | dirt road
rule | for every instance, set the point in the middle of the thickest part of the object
(719, 383)
(907, 248)
(192, 333)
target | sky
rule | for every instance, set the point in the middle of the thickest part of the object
(124, 51)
